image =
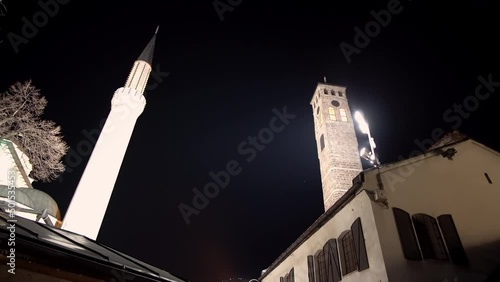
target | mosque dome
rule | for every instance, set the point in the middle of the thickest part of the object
(33, 198)
(21, 197)
(41, 201)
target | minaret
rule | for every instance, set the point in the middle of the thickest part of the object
(88, 206)
(336, 139)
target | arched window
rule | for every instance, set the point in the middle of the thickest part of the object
(406, 234)
(333, 92)
(325, 91)
(429, 237)
(341, 94)
(343, 115)
(348, 253)
(331, 113)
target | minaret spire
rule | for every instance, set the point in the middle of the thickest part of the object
(142, 67)
(90, 201)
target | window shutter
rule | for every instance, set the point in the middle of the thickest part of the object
(316, 268)
(333, 258)
(359, 244)
(342, 255)
(310, 268)
(406, 235)
(452, 239)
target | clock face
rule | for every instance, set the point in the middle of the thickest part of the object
(335, 103)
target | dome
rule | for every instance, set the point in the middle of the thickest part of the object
(21, 197)
(41, 201)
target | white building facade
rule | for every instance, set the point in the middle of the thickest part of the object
(432, 217)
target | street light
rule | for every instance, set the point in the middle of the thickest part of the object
(365, 129)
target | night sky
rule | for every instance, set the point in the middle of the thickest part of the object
(224, 80)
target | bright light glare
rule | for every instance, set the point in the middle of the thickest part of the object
(363, 125)
(362, 152)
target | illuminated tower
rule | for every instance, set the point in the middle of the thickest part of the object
(88, 206)
(336, 139)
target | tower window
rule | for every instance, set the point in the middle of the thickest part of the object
(429, 237)
(341, 94)
(333, 93)
(325, 91)
(322, 142)
(331, 113)
(317, 110)
(343, 115)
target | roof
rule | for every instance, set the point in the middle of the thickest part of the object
(53, 247)
(450, 138)
(147, 53)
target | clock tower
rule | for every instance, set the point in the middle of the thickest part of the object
(336, 141)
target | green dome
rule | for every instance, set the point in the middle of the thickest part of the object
(21, 197)
(41, 201)
(33, 198)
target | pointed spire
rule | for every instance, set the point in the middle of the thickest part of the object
(147, 53)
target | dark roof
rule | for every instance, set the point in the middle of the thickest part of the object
(47, 245)
(147, 53)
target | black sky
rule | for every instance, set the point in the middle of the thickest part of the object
(224, 80)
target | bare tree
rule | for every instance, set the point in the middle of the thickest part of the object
(21, 108)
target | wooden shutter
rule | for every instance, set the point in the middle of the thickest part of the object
(359, 244)
(406, 235)
(310, 268)
(333, 266)
(452, 239)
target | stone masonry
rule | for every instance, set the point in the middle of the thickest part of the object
(336, 141)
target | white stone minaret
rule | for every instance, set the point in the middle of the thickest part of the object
(88, 206)
(336, 139)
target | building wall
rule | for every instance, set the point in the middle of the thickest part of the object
(360, 206)
(435, 185)
(339, 158)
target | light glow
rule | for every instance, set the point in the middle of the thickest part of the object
(363, 125)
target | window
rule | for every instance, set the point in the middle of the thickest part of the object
(452, 239)
(343, 115)
(291, 276)
(325, 91)
(331, 113)
(317, 111)
(429, 237)
(341, 94)
(282, 279)
(348, 253)
(359, 244)
(322, 142)
(332, 261)
(333, 92)
(310, 268)
(406, 234)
